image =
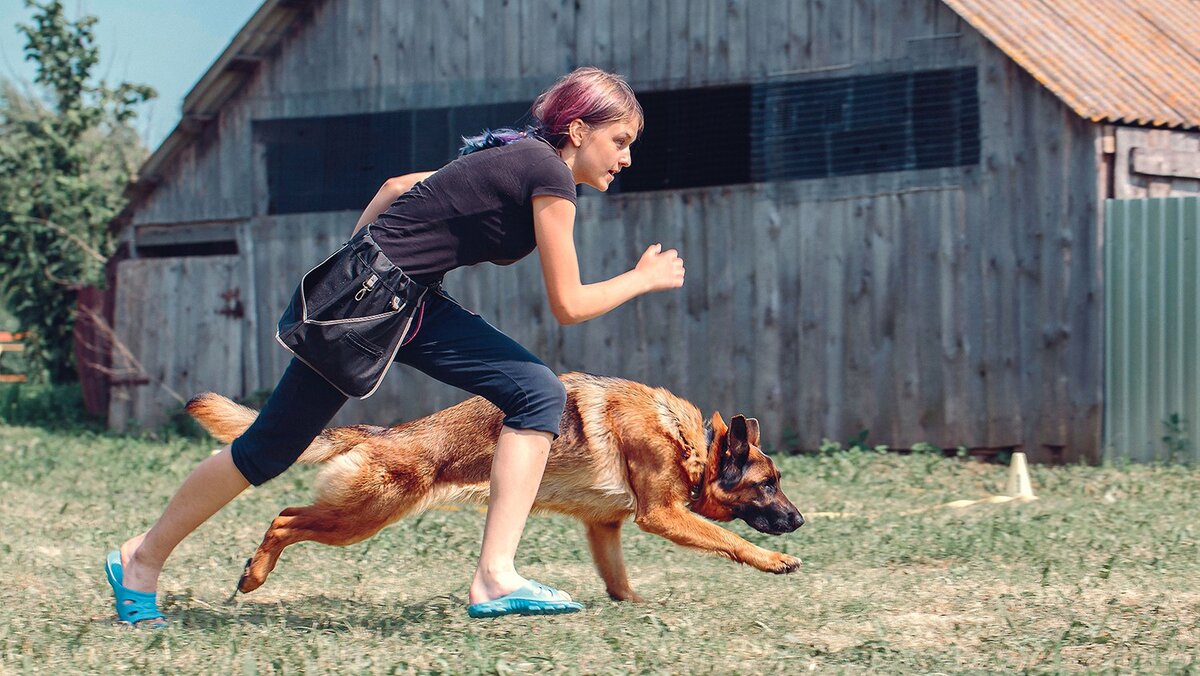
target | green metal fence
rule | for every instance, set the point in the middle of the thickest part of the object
(1152, 292)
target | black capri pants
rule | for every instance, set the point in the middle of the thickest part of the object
(452, 344)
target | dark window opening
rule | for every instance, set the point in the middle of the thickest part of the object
(692, 138)
(945, 118)
(865, 125)
(769, 131)
(225, 248)
(338, 163)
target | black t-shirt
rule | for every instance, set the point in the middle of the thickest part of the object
(477, 208)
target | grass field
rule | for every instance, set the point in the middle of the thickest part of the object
(1098, 575)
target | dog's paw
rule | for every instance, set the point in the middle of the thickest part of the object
(783, 563)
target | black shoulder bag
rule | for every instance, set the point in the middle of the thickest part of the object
(350, 315)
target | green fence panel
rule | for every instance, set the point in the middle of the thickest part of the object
(1152, 292)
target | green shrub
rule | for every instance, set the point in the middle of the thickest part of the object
(48, 406)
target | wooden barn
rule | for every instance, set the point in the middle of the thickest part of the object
(890, 210)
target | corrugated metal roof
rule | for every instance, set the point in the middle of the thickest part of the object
(1125, 61)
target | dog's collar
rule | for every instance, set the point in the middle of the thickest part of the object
(696, 493)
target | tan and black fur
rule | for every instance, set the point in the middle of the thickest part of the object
(626, 449)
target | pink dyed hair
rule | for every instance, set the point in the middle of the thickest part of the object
(586, 93)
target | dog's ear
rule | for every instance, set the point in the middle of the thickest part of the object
(752, 431)
(718, 425)
(739, 438)
(735, 450)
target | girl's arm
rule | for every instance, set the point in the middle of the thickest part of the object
(392, 188)
(572, 301)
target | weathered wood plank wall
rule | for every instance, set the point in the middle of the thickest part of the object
(177, 320)
(956, 306)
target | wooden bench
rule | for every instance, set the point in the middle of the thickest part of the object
(11, 342)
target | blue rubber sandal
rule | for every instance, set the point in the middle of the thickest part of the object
(132, 606)
(534, 598)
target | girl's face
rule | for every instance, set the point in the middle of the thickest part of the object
(601, 151)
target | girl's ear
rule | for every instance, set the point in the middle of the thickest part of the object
(576, 131)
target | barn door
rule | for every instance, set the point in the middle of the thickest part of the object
(179, 325)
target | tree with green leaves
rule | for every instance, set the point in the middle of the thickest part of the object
(64, 163)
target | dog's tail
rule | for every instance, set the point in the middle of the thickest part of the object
(227, 420)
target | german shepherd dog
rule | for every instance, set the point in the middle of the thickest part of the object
(625, 449)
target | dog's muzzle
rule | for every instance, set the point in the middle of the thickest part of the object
(776, 524)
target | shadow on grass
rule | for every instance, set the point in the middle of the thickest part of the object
(317, 613)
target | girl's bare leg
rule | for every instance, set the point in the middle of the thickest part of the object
(517, 469)
(209, 487)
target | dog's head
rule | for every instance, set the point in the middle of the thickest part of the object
(741, 481)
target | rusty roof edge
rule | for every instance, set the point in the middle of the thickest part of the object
(1160, 60)
(1023, 59)
(211, 91)
(1154, 104)
(1026, 61)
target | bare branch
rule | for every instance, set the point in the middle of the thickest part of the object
(87, 248)
(136, 368)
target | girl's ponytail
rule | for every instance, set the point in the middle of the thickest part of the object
(494, 138)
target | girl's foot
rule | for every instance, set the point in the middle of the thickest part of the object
(487, 588)
(138, 576)
(137, 608)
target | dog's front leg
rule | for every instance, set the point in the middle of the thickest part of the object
(605, 542)
(681, 526)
